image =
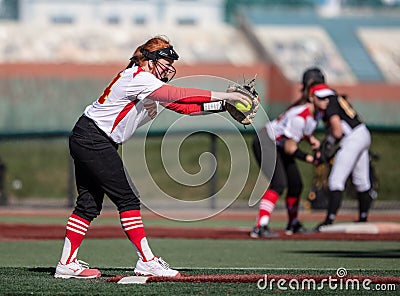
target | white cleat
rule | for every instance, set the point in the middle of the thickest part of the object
(76, 269)
(154, 267)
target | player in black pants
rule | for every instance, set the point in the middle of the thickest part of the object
(284, 134)
(128, 102)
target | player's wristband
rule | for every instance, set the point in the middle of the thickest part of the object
(215, 106)
(300, 154)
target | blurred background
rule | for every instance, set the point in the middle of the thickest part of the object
(56, 57)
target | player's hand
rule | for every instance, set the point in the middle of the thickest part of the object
(317, 158)
(314, 143)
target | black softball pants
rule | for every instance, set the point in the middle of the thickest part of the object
(286, 174)
(99, 170)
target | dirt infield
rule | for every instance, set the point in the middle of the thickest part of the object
(25, 231)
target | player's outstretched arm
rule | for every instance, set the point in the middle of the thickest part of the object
(169, 94)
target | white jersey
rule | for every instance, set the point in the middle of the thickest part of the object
(120, 109)
(296, 123)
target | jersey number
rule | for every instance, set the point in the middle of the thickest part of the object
(107, 91)
(347, 108)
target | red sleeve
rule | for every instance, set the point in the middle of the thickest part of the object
(169, 93)
(183, 108)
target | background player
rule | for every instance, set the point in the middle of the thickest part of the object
(297, 123)
(128, 102)
(345, 128)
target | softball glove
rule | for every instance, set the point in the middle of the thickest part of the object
(249, 91)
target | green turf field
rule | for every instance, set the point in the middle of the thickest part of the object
(27, 266)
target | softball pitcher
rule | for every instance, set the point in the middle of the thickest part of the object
(128, 102)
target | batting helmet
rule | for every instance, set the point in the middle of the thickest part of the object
(312, 76)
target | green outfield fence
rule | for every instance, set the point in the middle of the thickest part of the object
(43, 136)
(24, 141)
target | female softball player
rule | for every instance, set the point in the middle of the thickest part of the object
(128, 102)
(346, 129)
(297, 123)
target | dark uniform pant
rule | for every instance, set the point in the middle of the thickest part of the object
(99, 170)
(286, 173)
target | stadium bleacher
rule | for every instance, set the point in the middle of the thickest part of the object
(107, 44)
(292, 32)
(385, 54)
(342, 31)
(296, 48)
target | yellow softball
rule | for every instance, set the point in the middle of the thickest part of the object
(242, 107)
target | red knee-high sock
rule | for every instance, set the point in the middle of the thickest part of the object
(292, 206)
(75, 233)
(132, 224)
(267, 205)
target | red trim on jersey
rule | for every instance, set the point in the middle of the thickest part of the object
(305, 113)
(139, 69)
(123, 113)
(107, 91)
